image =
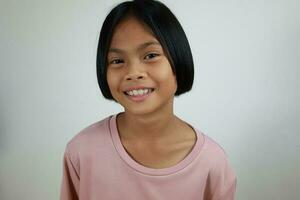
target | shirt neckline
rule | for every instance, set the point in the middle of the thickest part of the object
(152, 171)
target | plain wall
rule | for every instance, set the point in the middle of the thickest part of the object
(245, 95)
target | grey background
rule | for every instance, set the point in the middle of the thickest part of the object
(245, 95)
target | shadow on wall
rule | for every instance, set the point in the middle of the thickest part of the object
(3, 127)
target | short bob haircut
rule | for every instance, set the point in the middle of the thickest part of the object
(167, 31)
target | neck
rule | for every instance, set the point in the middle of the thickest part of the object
(150, 127)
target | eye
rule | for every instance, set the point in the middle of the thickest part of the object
(116, 61)
(151, 55)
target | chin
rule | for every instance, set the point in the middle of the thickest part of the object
(139, 111)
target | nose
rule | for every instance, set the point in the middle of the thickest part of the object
(133, 77)
(135, 71)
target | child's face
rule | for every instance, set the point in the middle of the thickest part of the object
(136, 60)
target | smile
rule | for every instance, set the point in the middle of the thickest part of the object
(139, 92)
(139, 95)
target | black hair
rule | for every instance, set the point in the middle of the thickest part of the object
(166, 29)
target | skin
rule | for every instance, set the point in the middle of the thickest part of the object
(136, 58)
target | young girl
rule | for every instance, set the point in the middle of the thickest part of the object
(145, 152)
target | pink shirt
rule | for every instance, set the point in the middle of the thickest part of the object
(97, 167)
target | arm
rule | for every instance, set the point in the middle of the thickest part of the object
(229, 193)
(70, 180)
(223, 180)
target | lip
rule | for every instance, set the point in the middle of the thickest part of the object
(139, 98)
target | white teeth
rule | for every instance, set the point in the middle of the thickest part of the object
(138, 92)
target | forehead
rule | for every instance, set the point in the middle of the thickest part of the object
(131, 32)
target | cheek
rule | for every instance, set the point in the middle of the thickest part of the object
(167, 81)
(111, 80)
(166, 75)
(174, 83)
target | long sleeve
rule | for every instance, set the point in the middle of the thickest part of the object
(70, 180)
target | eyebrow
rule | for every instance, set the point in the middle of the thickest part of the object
(140, 47)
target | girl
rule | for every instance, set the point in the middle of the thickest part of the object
(145, 152)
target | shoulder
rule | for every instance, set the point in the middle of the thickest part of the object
(89, 136)
(215, 158)
(90, 141)
(214, 149)
(211, 151)
(219, 159)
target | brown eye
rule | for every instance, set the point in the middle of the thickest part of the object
(151, 55)
(116, 61)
